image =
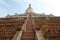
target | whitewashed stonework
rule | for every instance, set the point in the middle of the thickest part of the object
(28, 11)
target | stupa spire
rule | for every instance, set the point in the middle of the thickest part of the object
(29, 9)
(30, 6)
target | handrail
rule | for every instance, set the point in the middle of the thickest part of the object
(15, 36)
(24, 25)
(37, 33)
(40, 35)
(19, 34)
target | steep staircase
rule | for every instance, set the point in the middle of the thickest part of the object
(28, 31)
(29, 34)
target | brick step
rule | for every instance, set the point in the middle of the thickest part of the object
(28, 36)
(28, 39)
(29, 32)
(30, 29)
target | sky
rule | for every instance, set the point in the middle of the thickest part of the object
(39, 6)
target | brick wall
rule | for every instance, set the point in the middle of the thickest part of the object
(8, 27)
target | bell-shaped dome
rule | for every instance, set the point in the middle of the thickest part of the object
(29, 9)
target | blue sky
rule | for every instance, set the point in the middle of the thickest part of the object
(39, 6)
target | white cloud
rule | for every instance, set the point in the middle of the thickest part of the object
(2, 2)
(3, 12)
(56, 7)
(29, 1)
(47, 6)
(18, 1)
(26, 1)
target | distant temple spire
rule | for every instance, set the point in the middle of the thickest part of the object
(29, 9)
(30, 6)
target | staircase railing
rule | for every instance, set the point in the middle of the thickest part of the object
(15, 36)
(37, 37)
(18, 35)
